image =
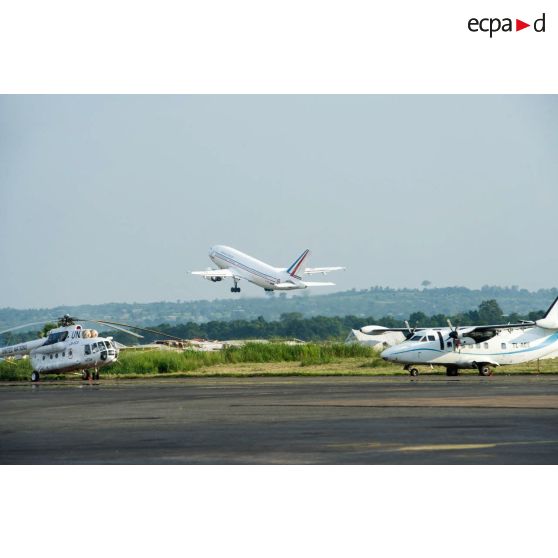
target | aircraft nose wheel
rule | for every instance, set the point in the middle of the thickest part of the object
(413, 372)
(35, 376)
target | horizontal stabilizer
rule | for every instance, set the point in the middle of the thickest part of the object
(285, 286)
(322, 270)
(214, 273)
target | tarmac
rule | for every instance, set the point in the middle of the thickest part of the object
(295, 420)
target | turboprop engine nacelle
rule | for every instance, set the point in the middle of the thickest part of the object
(372, 329)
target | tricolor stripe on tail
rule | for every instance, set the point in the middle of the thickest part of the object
(295, 266)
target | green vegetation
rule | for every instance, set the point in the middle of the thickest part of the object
(260, 359)
(363, 303)
(316, 328)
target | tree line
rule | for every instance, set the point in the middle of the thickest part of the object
(326, 328)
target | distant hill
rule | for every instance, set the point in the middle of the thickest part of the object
(376, 301)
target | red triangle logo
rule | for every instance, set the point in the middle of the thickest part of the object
(519, 25)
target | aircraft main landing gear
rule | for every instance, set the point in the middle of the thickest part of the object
(484, 370)
(35, 376)
(236, 288)
(452, 371)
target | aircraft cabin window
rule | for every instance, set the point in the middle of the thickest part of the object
(64, 353)
(44, 357)
(50, 357)
(503, 345)
(449, 344)
(87, 349)
(431, 338)
(486, 345)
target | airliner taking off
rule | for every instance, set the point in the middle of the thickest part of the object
(237, 265)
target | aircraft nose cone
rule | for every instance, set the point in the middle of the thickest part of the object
(386, 353)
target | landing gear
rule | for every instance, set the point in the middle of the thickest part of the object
(411, 369)
(452, 371)
(484, 370)
(35, 376)
(236, 288)
(86, 375)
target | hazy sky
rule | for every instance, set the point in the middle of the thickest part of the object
(115, 198)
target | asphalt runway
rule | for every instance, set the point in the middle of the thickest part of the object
(359, 420)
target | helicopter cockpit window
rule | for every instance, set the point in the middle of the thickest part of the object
(56, 337)
(101, 345)
(87, 349)
(94, 347)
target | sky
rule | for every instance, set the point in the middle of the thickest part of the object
(116, 198)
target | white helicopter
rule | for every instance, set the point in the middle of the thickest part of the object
(69, 347)
(480, 347)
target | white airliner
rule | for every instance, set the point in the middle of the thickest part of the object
(237, 265)
(478, 347)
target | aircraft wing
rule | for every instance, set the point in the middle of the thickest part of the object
(521, 325)
(322, 270)
(214, 273)
(317, 284)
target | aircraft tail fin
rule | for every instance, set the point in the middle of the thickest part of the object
(550, 319)
(296, 266)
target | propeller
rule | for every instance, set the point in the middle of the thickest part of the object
(410, 329)
(454, 334)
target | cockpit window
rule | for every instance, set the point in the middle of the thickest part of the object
(424, 339)
(56, 337)
(94, 347)
(416, 338)
(101, 345)
(431, 338)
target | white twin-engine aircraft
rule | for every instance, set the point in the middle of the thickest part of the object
(479, 347)
(237, 265)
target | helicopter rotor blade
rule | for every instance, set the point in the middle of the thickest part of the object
(110, 325)
(27, 325)
(148, 330)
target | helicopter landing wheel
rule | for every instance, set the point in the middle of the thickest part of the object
(35, 376)
(413, 372)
